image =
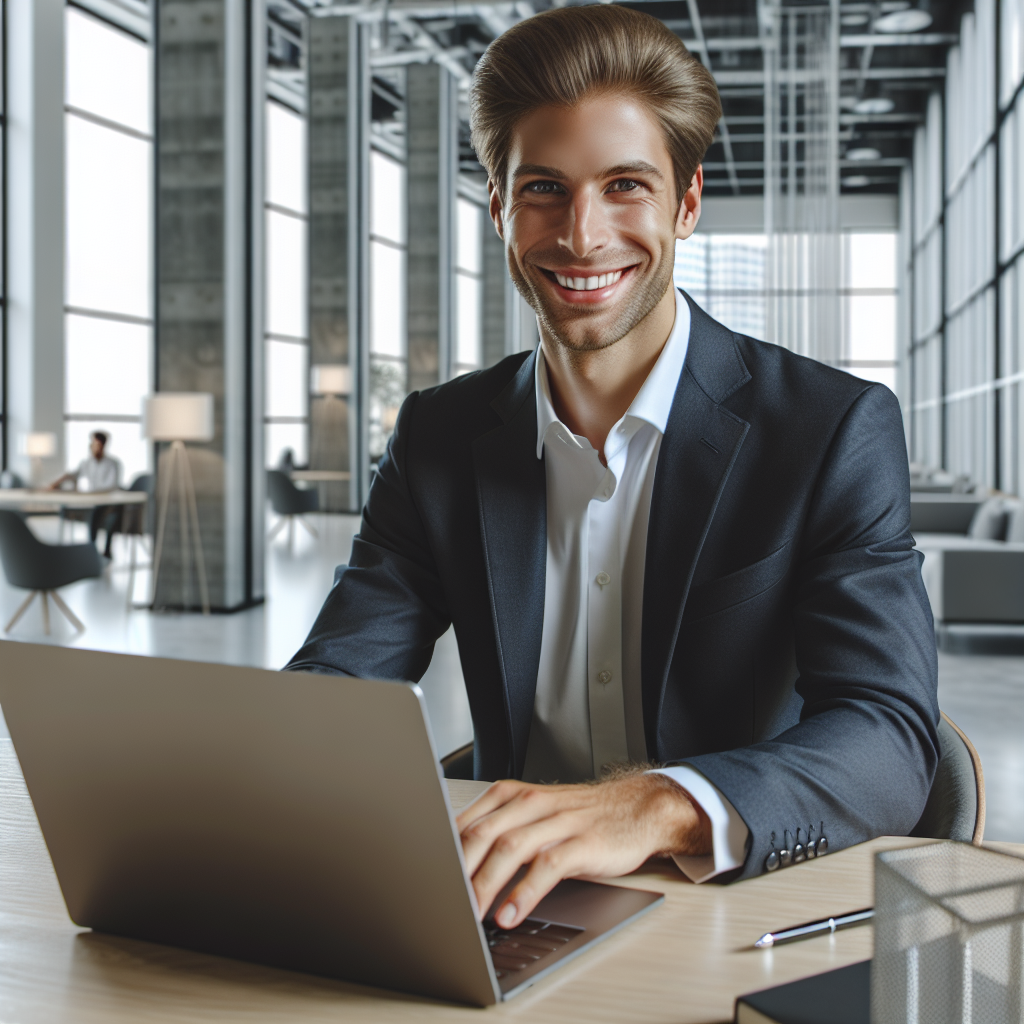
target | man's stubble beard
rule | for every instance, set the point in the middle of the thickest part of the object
(642, 300)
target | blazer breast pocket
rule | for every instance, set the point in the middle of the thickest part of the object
(742, 585)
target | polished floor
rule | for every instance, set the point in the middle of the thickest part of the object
(984, 695)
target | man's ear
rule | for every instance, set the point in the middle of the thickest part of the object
(689, 208)
(494, 209)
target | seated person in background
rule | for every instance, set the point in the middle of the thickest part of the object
(678, 560)
(98, 472)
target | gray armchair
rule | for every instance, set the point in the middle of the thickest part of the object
(43, 568)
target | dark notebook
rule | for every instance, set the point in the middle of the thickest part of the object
(842, 996)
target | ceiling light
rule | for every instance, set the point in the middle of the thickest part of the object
(856, 181)
(904, 21)
(875, 105)
(854, 19)
(863, 153)
(847, 102)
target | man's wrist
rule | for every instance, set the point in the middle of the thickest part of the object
(686, 828)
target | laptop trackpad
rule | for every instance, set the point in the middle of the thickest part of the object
(569, 920)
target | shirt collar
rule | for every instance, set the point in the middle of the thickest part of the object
(653, 402)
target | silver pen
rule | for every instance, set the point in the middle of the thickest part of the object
(805, 931)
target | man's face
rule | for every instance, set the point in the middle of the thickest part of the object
(590, 217)
(96, 447)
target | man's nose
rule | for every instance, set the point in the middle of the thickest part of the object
(586, 227)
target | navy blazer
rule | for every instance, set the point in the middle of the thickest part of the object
(788, 651)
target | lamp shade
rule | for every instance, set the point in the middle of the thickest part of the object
(178, 416)
(331, 379)
(40, 446)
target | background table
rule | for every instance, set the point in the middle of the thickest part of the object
(49, 502)
(684, 962)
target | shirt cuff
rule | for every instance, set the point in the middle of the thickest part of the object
(729, 832)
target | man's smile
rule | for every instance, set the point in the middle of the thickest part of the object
(583, 285)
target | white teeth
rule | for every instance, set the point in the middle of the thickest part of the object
(587, 284)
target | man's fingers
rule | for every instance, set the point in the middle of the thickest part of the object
(494, 796)
(530, 804)
(549, 867)
(512, 849)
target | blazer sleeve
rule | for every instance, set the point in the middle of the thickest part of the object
(387, 608)
(862, 757)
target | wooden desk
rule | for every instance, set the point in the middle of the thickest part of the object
(684, 962)
(25, 500)
(320, 476)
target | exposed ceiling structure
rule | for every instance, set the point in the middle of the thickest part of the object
(892, 55)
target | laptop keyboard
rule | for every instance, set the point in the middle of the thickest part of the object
(521, 947)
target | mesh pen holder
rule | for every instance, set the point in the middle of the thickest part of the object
(949, 936)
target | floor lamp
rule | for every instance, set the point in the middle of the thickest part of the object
(177, 417)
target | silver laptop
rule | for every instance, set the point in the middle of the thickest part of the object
(289, 819)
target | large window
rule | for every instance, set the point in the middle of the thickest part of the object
(388, 349)
(108, 292)
(469, 287)
(3, 239)
(965, 246)
(287, 332)
(725, 275)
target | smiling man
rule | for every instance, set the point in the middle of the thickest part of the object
(677, 560)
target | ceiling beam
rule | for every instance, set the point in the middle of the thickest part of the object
(723, 125)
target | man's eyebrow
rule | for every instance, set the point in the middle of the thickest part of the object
(637, 167)
(546, 172)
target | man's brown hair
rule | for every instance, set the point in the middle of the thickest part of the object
(567, 53)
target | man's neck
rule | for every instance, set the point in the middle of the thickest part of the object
(591, 391)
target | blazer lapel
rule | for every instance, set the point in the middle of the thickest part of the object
(697, 453)
(511, 489)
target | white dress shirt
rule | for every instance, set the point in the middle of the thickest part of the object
(588, 709)
(99, 474)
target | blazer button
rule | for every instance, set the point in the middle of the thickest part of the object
(771, 862)
(822, 848)
(785, 858)
(604, 677)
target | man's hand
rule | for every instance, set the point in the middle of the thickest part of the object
(601, 830)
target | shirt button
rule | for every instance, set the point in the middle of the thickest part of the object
(604, 677)
(602, 579)
(622, 429)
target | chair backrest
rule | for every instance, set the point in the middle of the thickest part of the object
(19, 549)
(33, 565)
(989, 522)
(285, 498)
(1015, 521)
(956, 803)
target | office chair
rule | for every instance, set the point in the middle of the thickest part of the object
(136, 523)
(956, 803)
(43, 568)
(955, 807)
(290, 503)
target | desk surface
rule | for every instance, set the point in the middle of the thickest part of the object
(321, 476)
(684, 962)
(24, 498)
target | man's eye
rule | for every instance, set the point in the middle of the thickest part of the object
(544, 188)
(624, 185)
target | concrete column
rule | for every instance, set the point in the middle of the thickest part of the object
(209, 272)
(35, 230)
(496, 335)
(432, 140)
(338, 105)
